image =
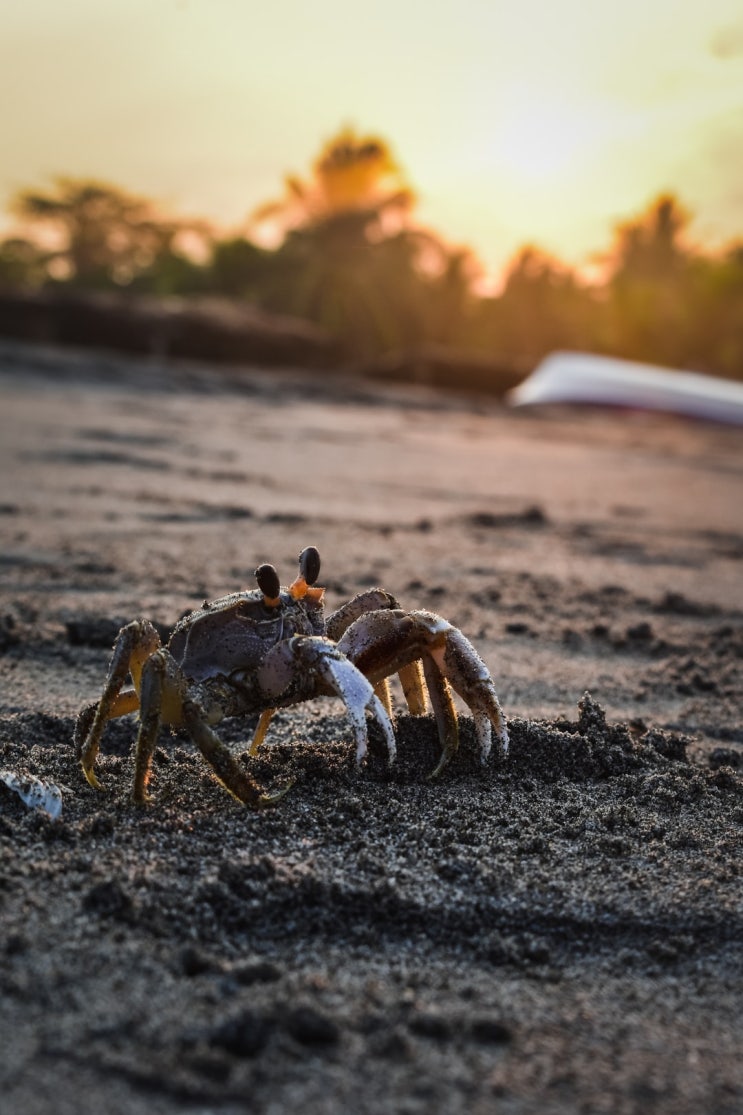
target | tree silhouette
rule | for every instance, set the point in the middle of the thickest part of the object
(103, 235)
(543, 306)
(651, 284)
(714, 330)
(23, 264)
(238, 268)
(352, 175)
(651, 246)
(351, 259)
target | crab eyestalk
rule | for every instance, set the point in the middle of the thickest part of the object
(309, 571)
(309, 564)
(268, 583)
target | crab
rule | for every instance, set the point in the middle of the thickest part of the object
(267, 648)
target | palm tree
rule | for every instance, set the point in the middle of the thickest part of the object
(350, 258)
(353, 176)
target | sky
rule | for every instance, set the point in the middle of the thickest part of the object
(545, 122)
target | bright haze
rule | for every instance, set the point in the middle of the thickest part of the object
(534, 122)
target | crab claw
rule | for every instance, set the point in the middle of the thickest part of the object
(335, 674)
(358, 695)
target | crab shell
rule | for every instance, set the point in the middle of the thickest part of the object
(236, 632)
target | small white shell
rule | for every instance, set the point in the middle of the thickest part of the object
(34, 792)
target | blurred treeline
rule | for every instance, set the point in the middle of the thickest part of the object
(349, 257)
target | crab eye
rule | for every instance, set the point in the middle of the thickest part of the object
(309, 564)
(268, 583)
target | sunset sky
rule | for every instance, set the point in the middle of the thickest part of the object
(515, 122)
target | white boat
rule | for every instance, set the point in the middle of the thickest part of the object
(577, 377)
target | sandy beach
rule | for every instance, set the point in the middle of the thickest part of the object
(556, 933)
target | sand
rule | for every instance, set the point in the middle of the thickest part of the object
(559, 932)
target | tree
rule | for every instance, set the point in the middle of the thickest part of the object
(715, 313)
(351, 259)
(352, 176)
(543, 306)
(100, 235)
(650, 285)
(23, 265)
(651, 245)
(238, 268)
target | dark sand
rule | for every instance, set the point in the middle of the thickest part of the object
(561, 933)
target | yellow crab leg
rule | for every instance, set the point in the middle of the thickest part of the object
(261, 729)
(134, 644)
(382, 690)
(125, 702)
(412, 687)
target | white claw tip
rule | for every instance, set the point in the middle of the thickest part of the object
(379, 712)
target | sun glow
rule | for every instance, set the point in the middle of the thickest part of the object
(514, 123)
(537, 135)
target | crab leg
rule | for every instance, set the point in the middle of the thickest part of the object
(412, 686)
(261, 728)
(165, 699)
(444, 712)
(388, 641)
(372, 600)
(224, 764)
(382, 690)
(151, 702)
(134, 645)
(324, 670)
(461, 664)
